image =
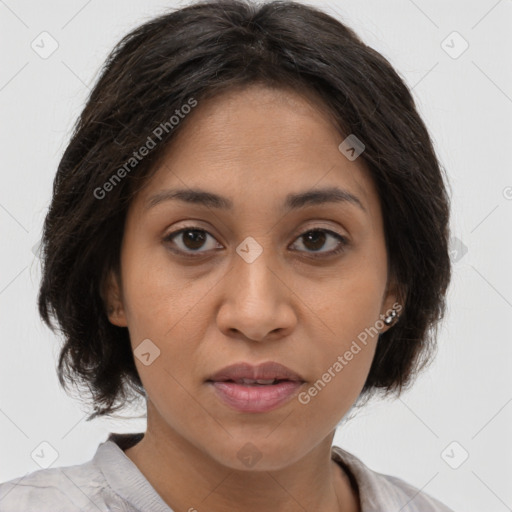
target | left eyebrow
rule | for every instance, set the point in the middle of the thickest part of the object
(292, 201)
(321, 196)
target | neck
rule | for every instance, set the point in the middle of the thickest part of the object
(189, 480)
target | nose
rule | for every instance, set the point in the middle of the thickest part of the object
(257, 302)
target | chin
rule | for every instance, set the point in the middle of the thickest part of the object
(258, 453)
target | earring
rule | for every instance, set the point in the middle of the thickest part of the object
(389, 319)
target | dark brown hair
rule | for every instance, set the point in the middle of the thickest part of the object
(196, 52)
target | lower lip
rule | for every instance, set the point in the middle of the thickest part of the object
(255, 398)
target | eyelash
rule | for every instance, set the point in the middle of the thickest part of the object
(341, 246)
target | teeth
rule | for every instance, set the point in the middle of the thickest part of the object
(258, 381)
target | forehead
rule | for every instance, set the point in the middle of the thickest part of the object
(263, 143)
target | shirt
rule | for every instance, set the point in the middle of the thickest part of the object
(111, 482)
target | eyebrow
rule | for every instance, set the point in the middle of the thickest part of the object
(293, 201)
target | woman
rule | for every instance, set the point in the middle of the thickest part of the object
(249, 230)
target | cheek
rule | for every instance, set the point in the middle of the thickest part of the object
(153, 292)
(347, 313)
(168, 310)
(342, 364)
(348, 302)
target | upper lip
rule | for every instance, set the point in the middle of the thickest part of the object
(268, 370)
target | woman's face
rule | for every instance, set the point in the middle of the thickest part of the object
(251, 283)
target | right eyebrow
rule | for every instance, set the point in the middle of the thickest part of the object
(194, 196)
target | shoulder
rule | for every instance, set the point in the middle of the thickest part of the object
(79, 488)
(379, 491)
(415, 498)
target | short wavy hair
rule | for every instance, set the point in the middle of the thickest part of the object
(198, 51)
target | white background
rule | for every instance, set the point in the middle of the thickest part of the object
(465, 396)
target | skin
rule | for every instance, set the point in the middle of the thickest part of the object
(254, 146)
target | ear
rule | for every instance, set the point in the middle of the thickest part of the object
(394, 298)
(112, 298)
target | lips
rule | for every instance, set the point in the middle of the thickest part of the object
(255, 398)
(252, 382)
(264, 374)
(255, 389)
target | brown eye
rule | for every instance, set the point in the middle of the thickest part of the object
(193, 239)
(314, 240)
(189, 240)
